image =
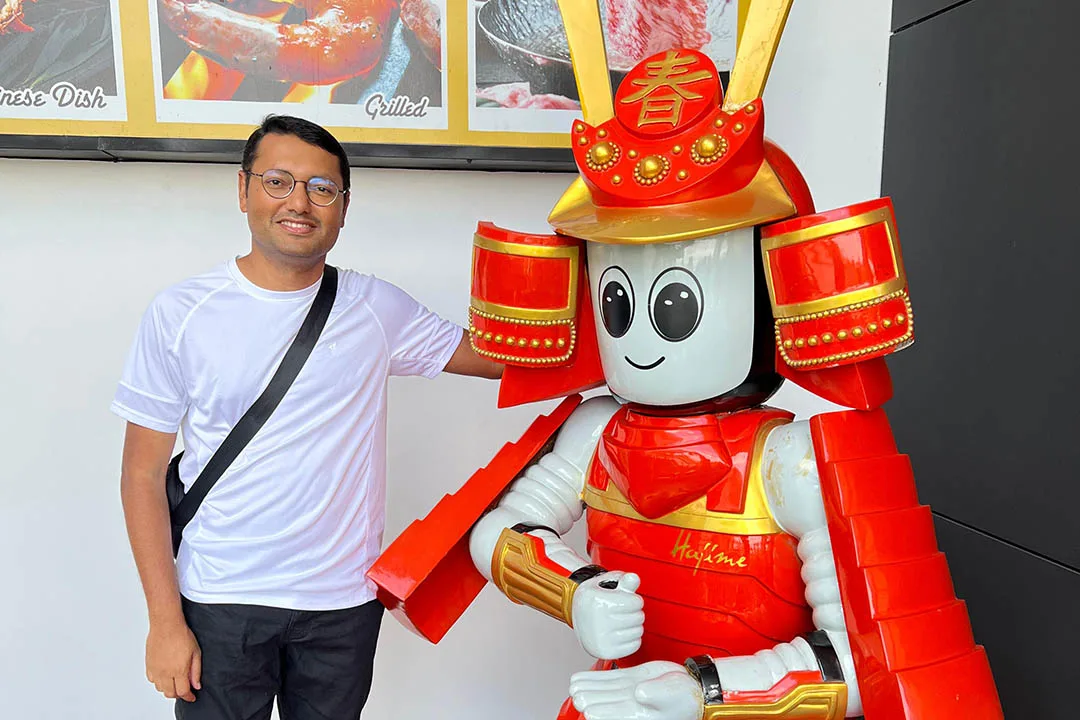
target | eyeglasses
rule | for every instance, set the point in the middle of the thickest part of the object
(279, 184)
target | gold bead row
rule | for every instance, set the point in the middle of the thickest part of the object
(847, 308)
(519, 321)
(614, 152)
(855, 332)
(519, 341)
(529, 360)
(903, 340)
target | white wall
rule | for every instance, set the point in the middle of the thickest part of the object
(83, 247)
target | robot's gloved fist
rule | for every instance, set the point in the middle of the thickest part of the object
(653, 691)
(608, 616)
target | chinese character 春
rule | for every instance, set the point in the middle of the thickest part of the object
(671, 74)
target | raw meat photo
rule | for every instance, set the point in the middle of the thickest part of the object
(522, 60)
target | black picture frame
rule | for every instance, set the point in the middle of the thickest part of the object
(427, 157)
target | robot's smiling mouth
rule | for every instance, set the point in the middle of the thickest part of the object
(645, 367)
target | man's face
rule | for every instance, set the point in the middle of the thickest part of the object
(292, 227)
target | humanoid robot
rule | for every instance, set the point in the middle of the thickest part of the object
(740, 564)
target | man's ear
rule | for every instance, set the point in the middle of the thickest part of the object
(241, 189)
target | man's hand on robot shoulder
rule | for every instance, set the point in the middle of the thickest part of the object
(654, 691)
(608, 616)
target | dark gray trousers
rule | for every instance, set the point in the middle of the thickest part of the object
(318, 664)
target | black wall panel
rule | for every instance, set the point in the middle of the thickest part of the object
(981, 159)
(906, 12)
(1023, 611)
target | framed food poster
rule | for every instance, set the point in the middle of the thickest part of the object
(521, 77)
(415, 83)
(61, 60)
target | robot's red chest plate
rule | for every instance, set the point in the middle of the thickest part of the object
(680, 501)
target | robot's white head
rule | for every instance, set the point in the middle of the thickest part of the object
(675, 321)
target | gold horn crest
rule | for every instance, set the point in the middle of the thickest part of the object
(671, 155)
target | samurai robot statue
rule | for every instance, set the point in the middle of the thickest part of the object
(740, 564)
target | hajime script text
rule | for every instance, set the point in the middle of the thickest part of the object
(710, 553)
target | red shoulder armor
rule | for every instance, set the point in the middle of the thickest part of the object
(530, 309)
(915, 655)
(426, 577)
(840, 300)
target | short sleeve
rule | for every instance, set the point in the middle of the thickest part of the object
(419, 341)
(151, 391)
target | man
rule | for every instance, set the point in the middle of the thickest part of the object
(266, 597)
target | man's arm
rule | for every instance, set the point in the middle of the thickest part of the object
(465, 361)
(173, 659)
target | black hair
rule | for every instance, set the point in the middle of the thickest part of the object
(307, 131)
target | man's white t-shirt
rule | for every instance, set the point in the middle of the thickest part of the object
(297, 519)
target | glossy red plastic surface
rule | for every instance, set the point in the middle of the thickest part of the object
(521, 385)
(542, 557)
(911, 638)
(667, 90)
(508, 275)
(832, 265)
(666, 107)
(705, 592)
(779, 691)
(505, 279)
(807, 221)
(863, 386)
(790, 177)
(662, 463)
(426, 577)
(838, 286)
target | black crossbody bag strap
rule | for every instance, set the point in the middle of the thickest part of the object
(184, 505)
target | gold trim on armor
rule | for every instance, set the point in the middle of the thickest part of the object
(514, 314)
(516, 570)
(908, 318)
(761, 202)
(754, 520)
(837, 227)
(585, 40)
(819, 701)
(504, 357)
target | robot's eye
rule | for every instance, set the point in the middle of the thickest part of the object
(676, 304)
(616, 301)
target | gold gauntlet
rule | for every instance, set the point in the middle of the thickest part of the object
(813, 696)
(520, 568)
(819, 701)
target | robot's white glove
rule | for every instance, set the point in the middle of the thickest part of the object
(657, 690)
(608, 616)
